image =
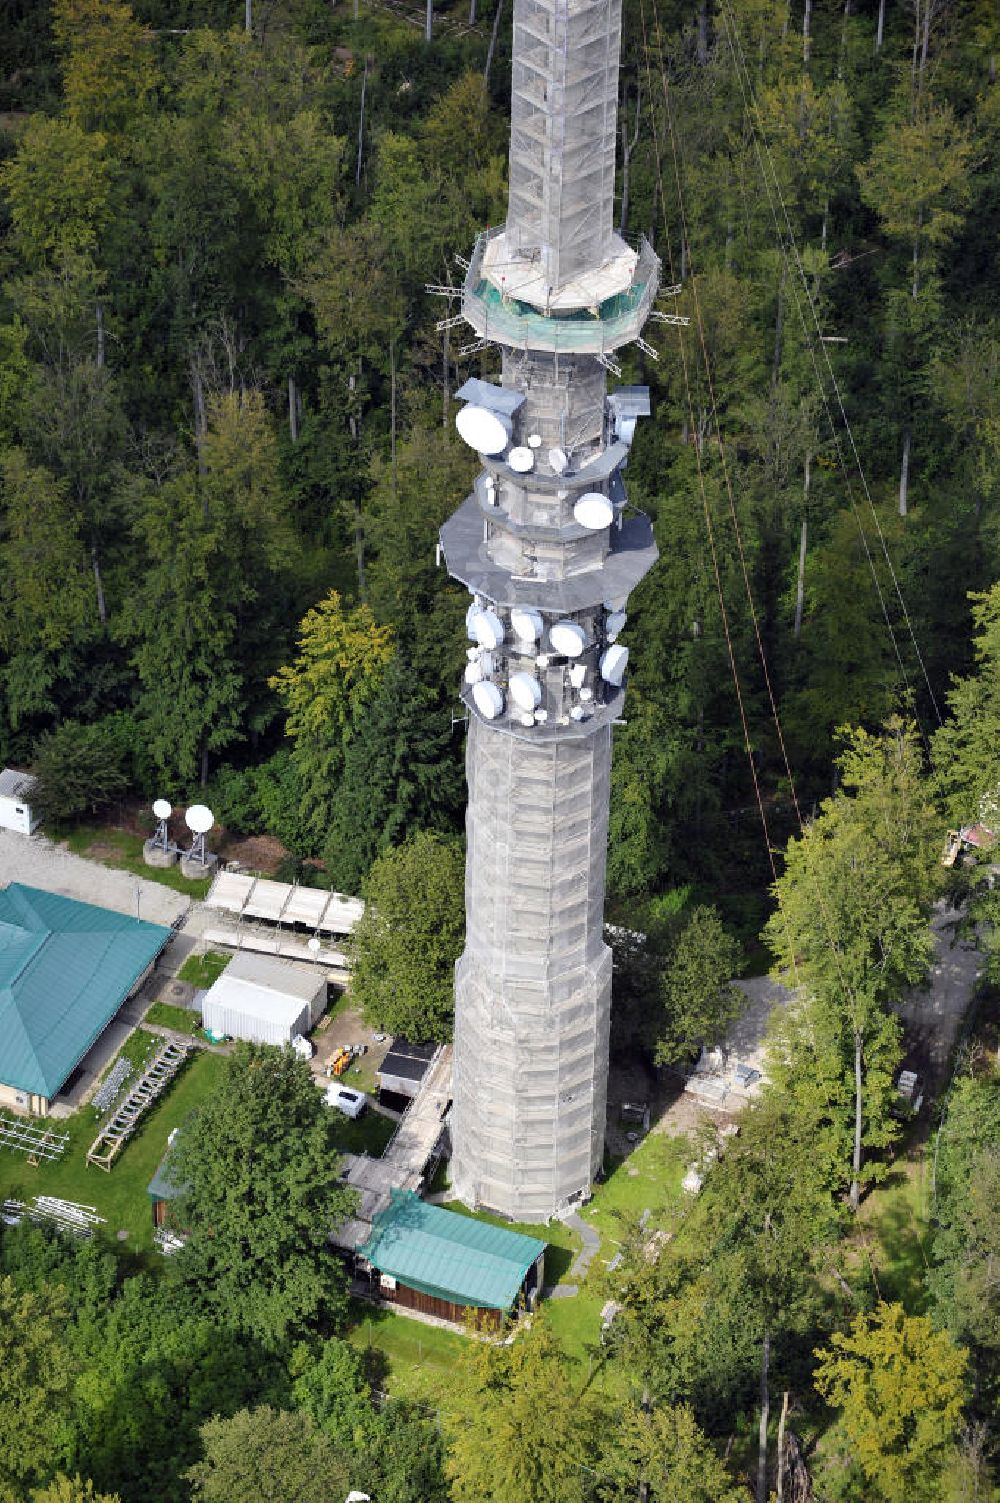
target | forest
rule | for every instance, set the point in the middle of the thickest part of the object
(226, 447)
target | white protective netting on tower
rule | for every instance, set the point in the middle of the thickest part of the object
(533, 988)
(563, 133)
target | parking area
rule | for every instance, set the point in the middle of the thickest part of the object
(37, 862)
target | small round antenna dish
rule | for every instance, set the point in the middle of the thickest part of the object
(313, 945)
(483, 430)
(613, 664)
(568, 639)
(558, 459)
(199, 819)
(525, 691)
(162, 809)
(534, 440)
(614, 624)
(526, 624)
(521, 459)
(473, 673)
(488, 700)
(594, 511)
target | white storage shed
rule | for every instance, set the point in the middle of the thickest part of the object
(16, 812)
(264, 1000)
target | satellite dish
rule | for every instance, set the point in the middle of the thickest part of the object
(473, 673)
(541, 716)
(568, 639)
(487, 629)
(593, 510)
(488, 700)
(558, 460)
(313, 945)
(485, 431)
(527, 625)
(162, 809)
(534, 440)
(521, 459)
(586, 695)
(527, 720)
(470, 617)
(525, 691)
(577, 675)
(615, 623)
(577, 713)
(199, 819)
(613, 663)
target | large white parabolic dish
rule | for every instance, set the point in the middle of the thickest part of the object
(525, 691)
(613, 664)
(568, 639)
(527, 624)
(594, 511)
(487, 629)
(488, 700)
(485, 431)
(199, 819)
(162, 809)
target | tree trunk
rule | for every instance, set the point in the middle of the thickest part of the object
(800, 587)
(361, 123)
(858, 1099)
(359, 529)
(904, 472)
(765, 1405)
(392, 412)
(493, 42)
(293, 410)
(445, 384)
(248, 17)
(702, 45)
(644, 1481)
(806, 32)
(779, 1481)
(100, 336)
(472, 12)
(779, 325)
(102, 609)
(684, 259)
(429, 21)
(204, 748)
(200, 416)
(880, 28)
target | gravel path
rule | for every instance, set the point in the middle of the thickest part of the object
(38, 863)
(589, 1250)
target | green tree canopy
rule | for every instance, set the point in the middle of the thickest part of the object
(900, 1387)
(698, 996)
(261, 1195)
(36, 1377)
(405, 947)
(270, 1454)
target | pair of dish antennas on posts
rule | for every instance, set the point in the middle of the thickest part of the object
(161, 851)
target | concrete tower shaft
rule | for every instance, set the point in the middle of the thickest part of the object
(549, 551)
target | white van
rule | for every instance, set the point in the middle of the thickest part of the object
(351, 1103)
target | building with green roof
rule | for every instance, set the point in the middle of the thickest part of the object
(65, 970)
(440, 1263)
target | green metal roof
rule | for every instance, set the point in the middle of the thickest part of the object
(65, 969)
(449, 1256)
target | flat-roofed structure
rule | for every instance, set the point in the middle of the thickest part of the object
(66, 968)
(454, 1267)
(264, 1000)
(404, 1067)
(250, 897)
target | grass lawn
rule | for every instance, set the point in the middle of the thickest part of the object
(200, 971)
(119, 849)
(417, 1361)
(893, 1234)
(648, 1180)
(121, 1195)
(368, 1133)
(165, 1015)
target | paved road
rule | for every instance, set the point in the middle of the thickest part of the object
(39, 863)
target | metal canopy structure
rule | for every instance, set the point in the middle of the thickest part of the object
(549, 554)
(313, 908)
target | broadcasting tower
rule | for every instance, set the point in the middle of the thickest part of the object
(549, 552)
